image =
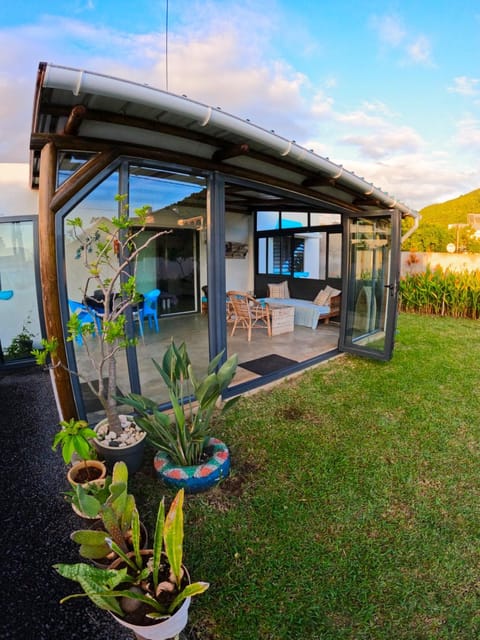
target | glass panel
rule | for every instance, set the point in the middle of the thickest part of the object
(267, 220)
(279, 255)
(262, 255)
(176, 265)
(334, 255)
(291, 219)
(324, 219)
(370, 245)
(98, 206)
(313, 256)
(19, 320)
(69, 162)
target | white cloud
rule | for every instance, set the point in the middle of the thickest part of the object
(420, 51)
(392, 34)
(468, 133)
(389, 28)
(465, 86)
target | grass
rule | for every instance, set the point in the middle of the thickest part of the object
(352, 510)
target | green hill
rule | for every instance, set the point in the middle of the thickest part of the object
(453, 211)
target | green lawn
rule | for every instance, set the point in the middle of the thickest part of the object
(352, 511)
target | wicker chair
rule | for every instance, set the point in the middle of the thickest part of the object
(248, 313)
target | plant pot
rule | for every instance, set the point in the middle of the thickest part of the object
(195, 478)
(165, 629)
(131, 454)
(77, 474)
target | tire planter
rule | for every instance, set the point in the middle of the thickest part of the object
(132, 454)
(196, 478)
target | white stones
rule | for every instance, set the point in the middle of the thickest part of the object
(130, 435)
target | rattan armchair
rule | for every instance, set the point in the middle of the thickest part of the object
(248, 313)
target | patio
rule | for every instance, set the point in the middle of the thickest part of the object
(299, 346)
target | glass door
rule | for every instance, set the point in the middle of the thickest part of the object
(371, 276)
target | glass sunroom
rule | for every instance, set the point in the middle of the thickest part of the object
(245, 210)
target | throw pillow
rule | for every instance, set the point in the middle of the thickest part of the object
(278, 290)
(322, 298)
(332, 292)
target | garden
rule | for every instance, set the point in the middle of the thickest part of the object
(351, 510)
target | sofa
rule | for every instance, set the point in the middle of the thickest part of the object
(307, 313)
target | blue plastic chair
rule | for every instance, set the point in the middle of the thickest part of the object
(85, 315)
(150, 308)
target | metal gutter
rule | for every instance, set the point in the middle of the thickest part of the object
(79, 81)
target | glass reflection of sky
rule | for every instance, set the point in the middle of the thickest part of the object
(158, 192)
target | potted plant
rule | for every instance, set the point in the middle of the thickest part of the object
(115, 517)
(146, 591)
(80, 495)
(75, 439)
(188, 455)
(109, 254)
(22, 344)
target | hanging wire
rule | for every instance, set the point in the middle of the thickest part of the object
(166, 45)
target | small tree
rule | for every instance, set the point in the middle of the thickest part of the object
(110, 256)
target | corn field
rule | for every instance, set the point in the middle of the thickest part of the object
(441, 292)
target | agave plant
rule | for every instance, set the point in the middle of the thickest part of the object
(159, 584)
(193, 400)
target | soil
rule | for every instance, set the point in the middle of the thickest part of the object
(87, 474)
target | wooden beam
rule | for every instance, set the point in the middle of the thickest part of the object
(81, 177)
(48, 274)
(75, 119)
(230, 152)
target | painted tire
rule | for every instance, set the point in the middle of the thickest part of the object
(197, 477)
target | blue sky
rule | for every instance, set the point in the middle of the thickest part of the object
(391, 90)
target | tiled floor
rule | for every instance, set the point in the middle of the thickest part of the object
(301, 344)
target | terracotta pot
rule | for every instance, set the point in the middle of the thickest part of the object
(195, 478)
(97, 469)
(132, 454)
(165, 629)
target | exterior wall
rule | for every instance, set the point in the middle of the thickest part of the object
(17, 199)
(417, 262)
(239, 272)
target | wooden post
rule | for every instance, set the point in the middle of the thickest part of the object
(48, 274)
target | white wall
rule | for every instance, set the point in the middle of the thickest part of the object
(417, 262)
(16, 197)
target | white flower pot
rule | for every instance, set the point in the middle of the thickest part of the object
(163, 630)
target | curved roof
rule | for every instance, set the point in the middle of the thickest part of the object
(83, 110)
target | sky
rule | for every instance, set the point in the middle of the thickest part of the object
(390, 90)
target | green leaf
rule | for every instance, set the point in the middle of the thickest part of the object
(190, 590)
(95, 582)
(173, 535)
(158, 542)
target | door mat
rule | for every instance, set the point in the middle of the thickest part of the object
(267, 364)
(90, 400)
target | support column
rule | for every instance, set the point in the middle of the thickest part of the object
(48, 275)
(217, 327)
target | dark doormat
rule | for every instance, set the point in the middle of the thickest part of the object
(267, 364)
(90, 400)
